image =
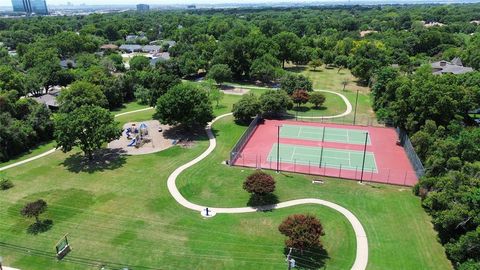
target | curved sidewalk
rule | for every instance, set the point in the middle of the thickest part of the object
(54, 149)
(345, 113)
(361, 259)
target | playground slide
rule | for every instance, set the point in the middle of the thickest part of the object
(133, 142)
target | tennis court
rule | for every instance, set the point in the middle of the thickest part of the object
(327, 134)
(329, 157)
(342, 156)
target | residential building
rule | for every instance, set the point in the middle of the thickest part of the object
(453, 67)
(143, 7)
(30, 6)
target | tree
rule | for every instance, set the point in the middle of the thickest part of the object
(291, 82)
(246, 108)
(142, 95)
(265, 69)
(300, 96)
(87, 127)
(139, 62)
(220, 73)
(259, 183)
(303, 231)
(185, 104)
(345, 82)
(81, 93)
(289, 45)
(34, 209)
(317, 99)
(315, 63)
(275, 102)
(213, 92)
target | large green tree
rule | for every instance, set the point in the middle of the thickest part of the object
(184, 104)
(81, 93)
(88, 127)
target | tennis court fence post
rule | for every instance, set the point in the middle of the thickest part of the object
(388, 176)
(340, 172)
(356, 170)
(309, 167)
(371, 175)
(295, 165)
(405, 179)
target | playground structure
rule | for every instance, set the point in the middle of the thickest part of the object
(138, 136)
(144, 137)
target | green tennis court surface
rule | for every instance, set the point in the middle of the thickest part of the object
(340, 135)
(331, 158)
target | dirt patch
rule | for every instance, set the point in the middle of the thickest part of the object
(231, 90)
(148, 138)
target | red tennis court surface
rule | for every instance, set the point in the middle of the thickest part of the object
(392, 163)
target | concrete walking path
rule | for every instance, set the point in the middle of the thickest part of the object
(342, 96)
(54, 149)
(361, 259)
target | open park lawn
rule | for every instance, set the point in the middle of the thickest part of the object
(119, 213)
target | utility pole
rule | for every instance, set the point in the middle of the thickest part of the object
(278, 148)
(355, 112)
(364, 154)
(290, 261)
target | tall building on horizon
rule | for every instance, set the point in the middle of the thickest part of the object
(143, 7)
(30, 6)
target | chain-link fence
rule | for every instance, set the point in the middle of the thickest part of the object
(401, 177)
(410, 150)
(244, 139)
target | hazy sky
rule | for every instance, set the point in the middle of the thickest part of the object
(158, 2)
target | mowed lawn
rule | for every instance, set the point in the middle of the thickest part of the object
(331, 79)
(399, 232)
(121, 214)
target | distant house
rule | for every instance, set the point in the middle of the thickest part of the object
(107, 47)
(159, 57)
(151, 48)
(366, 32)
(50, 99)
(453, 67)
(130, 48)
(432, 24)
(191, 6)
(68, 64)
(134, 38)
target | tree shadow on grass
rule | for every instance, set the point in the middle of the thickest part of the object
(40, 227)
(313, 258)
(104, 159)
(263, 202)
(319, 108)
(301, 108)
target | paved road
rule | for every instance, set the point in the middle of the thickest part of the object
(361, 259)
(53, 150)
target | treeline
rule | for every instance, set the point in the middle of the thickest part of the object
(434, 110)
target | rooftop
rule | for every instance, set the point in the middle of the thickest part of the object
(453, 67)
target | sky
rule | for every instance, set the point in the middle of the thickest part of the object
(161, 2)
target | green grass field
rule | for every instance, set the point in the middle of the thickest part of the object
(331, 79)
(119, 213)
(399, 231)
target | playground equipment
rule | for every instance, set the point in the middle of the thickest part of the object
(138, 135)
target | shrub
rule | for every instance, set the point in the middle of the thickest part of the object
(303, 231)
(259, 183)
(5, 184)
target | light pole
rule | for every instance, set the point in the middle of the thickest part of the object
(355, 112)
(321, 152)
(278, 148)
(364, 154)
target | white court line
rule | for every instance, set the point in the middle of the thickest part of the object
(349, 159)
